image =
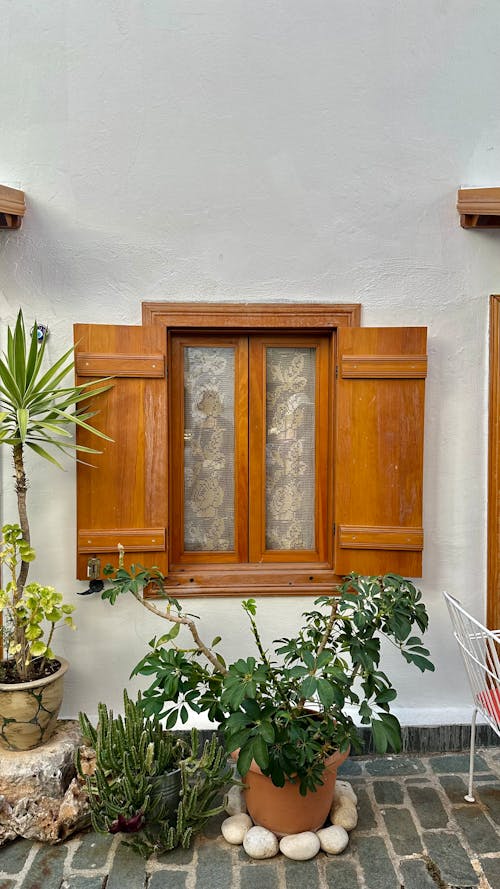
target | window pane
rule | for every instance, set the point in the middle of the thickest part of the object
(208, 449)
(290, 448)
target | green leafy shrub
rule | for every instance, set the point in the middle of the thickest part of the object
(290, 707)
(30, 617)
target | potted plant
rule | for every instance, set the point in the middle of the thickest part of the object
(38, 411)
(287, 713)
(157, 789)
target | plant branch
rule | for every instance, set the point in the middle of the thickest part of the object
(186, 622)
(326, 635)
(266, 660)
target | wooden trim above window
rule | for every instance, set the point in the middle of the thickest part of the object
(245, 317)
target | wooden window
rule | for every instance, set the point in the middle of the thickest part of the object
(283, 450)
(267, 397)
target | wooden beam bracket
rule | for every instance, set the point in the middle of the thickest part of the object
(12, 207)
(479, 207)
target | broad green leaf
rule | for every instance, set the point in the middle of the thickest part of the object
(326, 693)
(393, 731)
(267, 731)
(244, 759)
(38, 648)
(379, 736)
(308, 687)
(386, 695)
(260, 752)
(422, 663)
(171, 720)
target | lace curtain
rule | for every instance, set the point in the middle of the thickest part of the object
(209, 442)
(209, 449)
(290, 448)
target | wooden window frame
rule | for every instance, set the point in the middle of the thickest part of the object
(267, 579)
(376, 388)
(325, 362)
(178, 556)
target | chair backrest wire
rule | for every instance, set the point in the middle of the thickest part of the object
(480, 651)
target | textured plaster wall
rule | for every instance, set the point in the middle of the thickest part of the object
(292, 151)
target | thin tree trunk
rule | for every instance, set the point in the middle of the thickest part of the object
(21, 488)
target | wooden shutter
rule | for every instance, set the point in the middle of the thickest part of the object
(122, 498)
(379, 450)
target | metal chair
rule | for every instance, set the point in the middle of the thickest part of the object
(480, 649)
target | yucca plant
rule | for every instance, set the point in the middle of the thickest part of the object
(39, 410)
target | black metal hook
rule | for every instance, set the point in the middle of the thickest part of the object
(95, 586)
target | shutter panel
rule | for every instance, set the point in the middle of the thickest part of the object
(379, 450)
(122, 497)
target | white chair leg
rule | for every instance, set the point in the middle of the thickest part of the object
(469, 797)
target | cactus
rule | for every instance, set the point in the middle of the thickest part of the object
(126, 795)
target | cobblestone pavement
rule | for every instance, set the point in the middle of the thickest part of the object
(415, 831)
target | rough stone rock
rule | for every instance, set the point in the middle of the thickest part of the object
(6, 832)
(74, 811)
(87, 760)
(234, 801)
(36, 819)
(45, 771)
(343, 788)
(260, 843)
(234, 828)
(333, 839)
(300, 846)
(345, 814)
(40, 797)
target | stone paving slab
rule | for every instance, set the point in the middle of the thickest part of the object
(415, 831)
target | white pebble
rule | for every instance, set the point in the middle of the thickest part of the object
(333, 839)
(260, 843)
(234, 801)
(343, 788)
(345, 815)
(300, 846)
(235, 828)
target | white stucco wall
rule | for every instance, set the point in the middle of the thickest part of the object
(226, 150)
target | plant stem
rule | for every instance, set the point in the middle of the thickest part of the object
(266, 660)
(328, 630)
(322, 644)
(21, 486)
(185, 621)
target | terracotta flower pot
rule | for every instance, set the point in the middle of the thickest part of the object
(29, 710)
(282, 809)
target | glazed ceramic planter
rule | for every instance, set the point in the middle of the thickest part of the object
(29, 710)
(282, 809)
(166, 790)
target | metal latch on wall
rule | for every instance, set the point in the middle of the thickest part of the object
(93, 568)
